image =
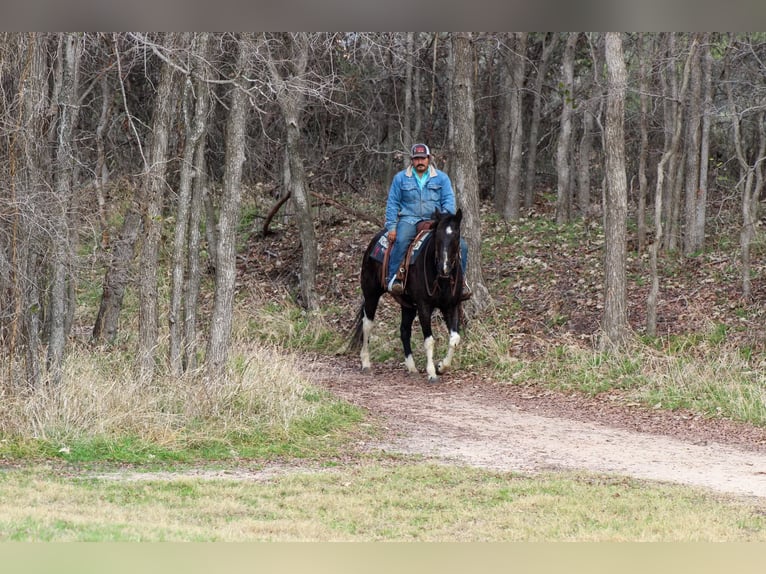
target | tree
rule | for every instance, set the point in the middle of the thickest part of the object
(465, 174)
(694, 235)
(671, 150)
(615, 323)
(508, 196)
(226, 269)
(61, 200)
(195, 103)
(564, 146)
(151, 194)
(288, 75)
(748, 123)
(23, 238)
(549, 42)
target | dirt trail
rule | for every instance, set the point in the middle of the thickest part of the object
(480, 423)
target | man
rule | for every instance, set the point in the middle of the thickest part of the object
(414, 195)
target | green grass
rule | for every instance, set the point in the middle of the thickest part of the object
(367, 502)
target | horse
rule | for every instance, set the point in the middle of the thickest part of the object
(434, 280)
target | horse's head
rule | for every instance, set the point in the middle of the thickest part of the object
(447, 241)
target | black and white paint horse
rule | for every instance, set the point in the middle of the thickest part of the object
(434, 280)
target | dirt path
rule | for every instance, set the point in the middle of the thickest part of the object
(480, 423)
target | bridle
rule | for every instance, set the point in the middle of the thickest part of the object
(452, 254)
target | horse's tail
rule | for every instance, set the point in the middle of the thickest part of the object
(357, 336)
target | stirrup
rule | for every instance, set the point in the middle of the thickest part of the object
(395, 286)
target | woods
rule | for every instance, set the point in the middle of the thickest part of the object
(139, 150)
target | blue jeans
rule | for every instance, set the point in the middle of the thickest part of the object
(405, 233)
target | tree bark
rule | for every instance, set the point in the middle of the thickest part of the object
(692, 240)
(670, 153)
(195, 127)
(61, 203)
(466, 178)
(28, 161)
(512, 206)
(564, 146)
(643, 83)
(615, 322)
(291, 97)
(549, 44)
(226, 269)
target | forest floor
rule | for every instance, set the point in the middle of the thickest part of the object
(552, 281)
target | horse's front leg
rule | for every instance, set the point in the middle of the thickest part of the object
(452, 318)
(424, 314)
(405, 332)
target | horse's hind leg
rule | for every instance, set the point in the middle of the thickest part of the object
(405, 332)
(368, 318)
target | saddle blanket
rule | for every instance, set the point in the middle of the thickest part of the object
(380, 247)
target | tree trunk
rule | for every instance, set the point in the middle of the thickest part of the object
(670, 152)
(291, 96)
(151, 193)
(61, 203)
(564, 146)
(226, 269)
(195, 125)
(691, 240)
(28, 160)
(615, 323)
(591, 103)
(512, 206)
(643, 153)
(751, 179)
(408, 72)
(466, 176)
(534, 125)
(502, 131)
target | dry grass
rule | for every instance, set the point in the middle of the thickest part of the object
(100, 396)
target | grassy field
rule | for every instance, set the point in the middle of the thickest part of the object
(106, 458)
(391, 500)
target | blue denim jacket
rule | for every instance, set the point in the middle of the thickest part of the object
(407, 201)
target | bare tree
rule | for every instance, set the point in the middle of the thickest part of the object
(643, 152)
(589, 109)
(61, 200)
(465, 173)
(23, 238)
(151, 195)
(748, 120)
(195, 104)
(564, 146)
(667, 159)
(549, 45)
(693, 238)
(226, 270)
(615, 322)
(290, 85)
(508, 197)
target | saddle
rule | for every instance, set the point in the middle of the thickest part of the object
(423, 229)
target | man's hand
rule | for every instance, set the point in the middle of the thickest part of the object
(392, 235)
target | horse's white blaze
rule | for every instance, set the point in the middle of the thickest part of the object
(430, 367)
(409, 362)
(365, 352)
(445, 254)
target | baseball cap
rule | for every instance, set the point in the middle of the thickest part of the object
(420, 150)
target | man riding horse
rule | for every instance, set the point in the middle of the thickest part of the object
(414, 195)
